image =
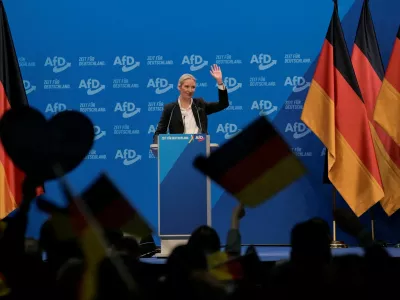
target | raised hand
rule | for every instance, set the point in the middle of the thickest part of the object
(216, 73)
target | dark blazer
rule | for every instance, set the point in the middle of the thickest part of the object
(201, 109)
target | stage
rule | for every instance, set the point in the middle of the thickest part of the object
(273, 253)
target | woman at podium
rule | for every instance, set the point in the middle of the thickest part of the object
(188, 114)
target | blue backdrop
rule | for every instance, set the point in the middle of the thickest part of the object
(119, 62)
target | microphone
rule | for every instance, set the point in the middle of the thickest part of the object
(169, 122)
(198, 116)
(184, 127)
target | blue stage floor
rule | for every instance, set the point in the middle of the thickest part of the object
(270, 253)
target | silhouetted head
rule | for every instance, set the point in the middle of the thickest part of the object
(311, 242)
(57, 251)
(323, 225)
(184, 260)
(206, 239)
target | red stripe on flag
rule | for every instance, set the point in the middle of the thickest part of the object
(325, 71)
(235, 268)
(77, 219)
(353, 123)
(15, 176)
(368, 80)
(393, 71)
(116, 214)
(370, 85)
(256, 164)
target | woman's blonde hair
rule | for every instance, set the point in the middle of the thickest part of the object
(185, 77)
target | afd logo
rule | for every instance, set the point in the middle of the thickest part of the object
(98, 133)
(231, 84)
(298, 83)
(228, 129)
(160, 85)
(196, 62)
(199, 138)
(152, 129)
(298, 129)
(264, 61)
(92, 86)
(127, 63)
(55, 107)
(128, 109)
(128, 156)
(264, 106)
(58, 63)
(29, 88)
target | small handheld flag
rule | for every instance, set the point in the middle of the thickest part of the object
(254, 165)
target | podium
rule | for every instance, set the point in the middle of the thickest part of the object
(184, 193)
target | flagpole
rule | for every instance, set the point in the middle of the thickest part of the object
(373, 235)
(335, 243)
(372, 223)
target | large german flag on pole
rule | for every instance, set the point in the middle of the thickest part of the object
(12, 94)
(368, 66)
(335, 112)
(387, 109)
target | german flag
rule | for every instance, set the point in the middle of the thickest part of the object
(254, 165)
(105, 203)
(94, 247)
(224, 268)
(76, 224)
(112, 210)
(334, 110)
(12, 95)
(387, 106)
(100, 207)
(368, 66)
(70, 223)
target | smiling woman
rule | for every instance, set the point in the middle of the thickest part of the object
(191, 115)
